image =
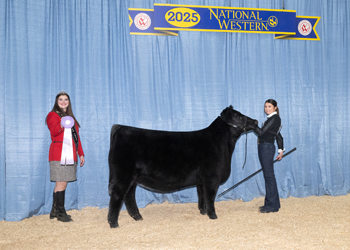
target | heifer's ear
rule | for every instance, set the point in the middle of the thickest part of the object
(230, 107)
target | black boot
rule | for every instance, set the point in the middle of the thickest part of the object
(61, 211)
(54, 210)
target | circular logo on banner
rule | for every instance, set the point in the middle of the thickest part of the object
(142, 21)
(272, 21)
(304, 27)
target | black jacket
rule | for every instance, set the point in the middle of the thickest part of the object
(270, 131)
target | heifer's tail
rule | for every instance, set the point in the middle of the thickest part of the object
(113, 138)
(114, 133)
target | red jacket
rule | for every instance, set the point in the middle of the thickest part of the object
(57, 132)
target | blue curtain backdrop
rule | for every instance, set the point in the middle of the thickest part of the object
(167, 83)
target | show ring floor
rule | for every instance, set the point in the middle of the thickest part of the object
(302, 223)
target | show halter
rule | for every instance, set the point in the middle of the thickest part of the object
(246, 138)
(234, 125)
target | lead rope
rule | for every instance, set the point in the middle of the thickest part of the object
(246, 138)
(246, 142)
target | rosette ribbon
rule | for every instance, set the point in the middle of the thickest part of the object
(67, 156)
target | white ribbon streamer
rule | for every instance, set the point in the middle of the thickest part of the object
(67, 156)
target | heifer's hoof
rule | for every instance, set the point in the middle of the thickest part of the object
(212, 216)
(137, 217)
(203, 212)
(113, 224)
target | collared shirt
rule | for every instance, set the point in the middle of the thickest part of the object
(273, 113)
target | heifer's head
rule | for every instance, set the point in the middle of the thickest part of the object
(237, 120)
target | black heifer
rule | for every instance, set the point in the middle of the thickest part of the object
(164, 161)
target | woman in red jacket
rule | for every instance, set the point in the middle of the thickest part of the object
(61, 171)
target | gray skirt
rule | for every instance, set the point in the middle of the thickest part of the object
(60, 172)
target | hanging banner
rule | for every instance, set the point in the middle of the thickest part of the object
(141, 22)
(285, 24)
(305, 29)
(224, 19)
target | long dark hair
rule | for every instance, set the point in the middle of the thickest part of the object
(274, 103)
(58, 110)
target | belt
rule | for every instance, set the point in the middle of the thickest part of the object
(261, 141)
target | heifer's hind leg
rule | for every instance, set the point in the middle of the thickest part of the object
(115, 204)
(130, 203)
(118, 189)
(201, 203)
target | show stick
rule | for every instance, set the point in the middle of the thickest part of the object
(250, 176)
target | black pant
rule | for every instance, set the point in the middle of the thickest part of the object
(266, 153)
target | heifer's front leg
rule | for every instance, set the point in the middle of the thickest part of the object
(209, 199)
(201, 204)
(130, 203)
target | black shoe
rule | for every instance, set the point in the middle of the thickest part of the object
(262, 207)
(64, 217)
(61, 213)
(268, 210)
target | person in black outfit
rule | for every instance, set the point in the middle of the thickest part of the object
(267, 135)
